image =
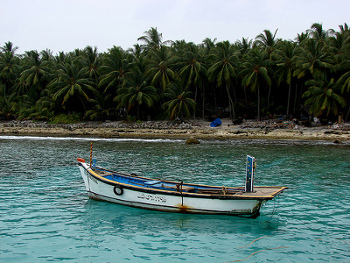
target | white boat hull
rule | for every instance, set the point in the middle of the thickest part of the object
(167, 201)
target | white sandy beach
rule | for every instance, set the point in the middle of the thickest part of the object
(197, 128)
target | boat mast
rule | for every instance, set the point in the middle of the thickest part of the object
(91, 154)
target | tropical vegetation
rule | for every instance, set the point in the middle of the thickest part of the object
(157, 79)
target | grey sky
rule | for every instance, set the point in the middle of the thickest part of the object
(64, 25)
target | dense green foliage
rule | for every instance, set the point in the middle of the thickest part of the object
(158, 79)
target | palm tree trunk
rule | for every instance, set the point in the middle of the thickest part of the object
(289, 92)
(347, 115)
(234, 95)
(245, 97)
(138, 112)
(268, 97)
(203, 101)
(295, 96)
(258, 89)
(82, 102)
(230, 102)
(195, 99)
(215, 102)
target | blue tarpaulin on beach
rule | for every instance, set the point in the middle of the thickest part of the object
(215, 123)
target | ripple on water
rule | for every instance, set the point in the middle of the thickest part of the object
(45, 214)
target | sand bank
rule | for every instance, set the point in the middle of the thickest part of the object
(196, 128)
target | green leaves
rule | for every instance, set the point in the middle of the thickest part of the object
(113, 69)
(322, 97)
(159, 76)
(255, 73)
(136, 93)
(179, 104)
(159, 63)
(71, 83)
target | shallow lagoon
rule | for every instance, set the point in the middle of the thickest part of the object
(46, 215)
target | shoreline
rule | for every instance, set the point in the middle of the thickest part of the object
(197, 129)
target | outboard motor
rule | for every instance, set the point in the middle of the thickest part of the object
(249, 182)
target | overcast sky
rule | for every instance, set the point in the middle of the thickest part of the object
(64, 25)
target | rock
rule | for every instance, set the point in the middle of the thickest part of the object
(336, 141)
(333, 132)
(192, 140)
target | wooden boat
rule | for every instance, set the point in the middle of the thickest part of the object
(137, 191)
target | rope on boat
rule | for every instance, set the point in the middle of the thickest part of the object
(240, 260)
(274, 205)
(224, 190)
(346, 242)
(253, 241)
(179, 186)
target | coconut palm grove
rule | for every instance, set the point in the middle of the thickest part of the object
(160, 79)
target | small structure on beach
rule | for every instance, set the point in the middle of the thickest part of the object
(215, 123)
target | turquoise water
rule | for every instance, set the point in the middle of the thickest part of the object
(46, 215)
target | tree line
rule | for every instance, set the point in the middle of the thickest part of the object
(159, 79)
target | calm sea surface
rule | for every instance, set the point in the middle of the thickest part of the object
(45, 213)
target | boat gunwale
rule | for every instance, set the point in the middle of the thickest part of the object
(238, 196)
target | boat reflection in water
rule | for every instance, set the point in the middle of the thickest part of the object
(104, 217)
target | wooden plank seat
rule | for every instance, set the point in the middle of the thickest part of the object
(178, 187)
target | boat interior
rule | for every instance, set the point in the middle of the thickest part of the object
(166, 185)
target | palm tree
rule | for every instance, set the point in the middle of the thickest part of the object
(255, 73)
(192, 70)
(136, 93)
(311, 58)
(91, 61)
(302, 37)
(267, 41)
(223, 70)
(318, 33)
(101, 108)
(71, 83)
(339, 46)
(244, 46)
(286, 66)
(42, 110)
(9, 68)
(208, 44)
(322, 96)
(344, 82)
(137, 57)
(113, 70)
(179, 104)
(152, 39)
(46, 55)
(159, 70)
(8, 106)
(34, 75)
(344, 29)
(61, 57)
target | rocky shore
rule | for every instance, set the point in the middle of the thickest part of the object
(195, 128)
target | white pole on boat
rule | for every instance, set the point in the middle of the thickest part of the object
(91, 154)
